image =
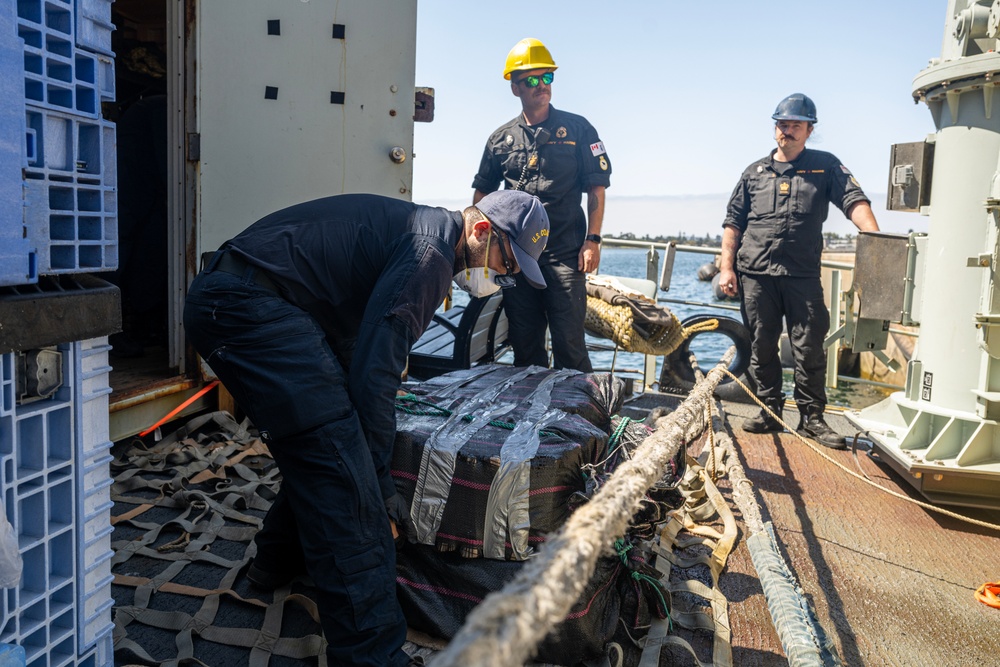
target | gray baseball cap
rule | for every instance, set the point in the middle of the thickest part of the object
(523, 218)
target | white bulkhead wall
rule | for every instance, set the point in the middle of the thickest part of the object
(289, 110)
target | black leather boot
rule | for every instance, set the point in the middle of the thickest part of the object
(763, 422)
(815, 427)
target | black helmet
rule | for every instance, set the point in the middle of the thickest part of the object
(796, 107)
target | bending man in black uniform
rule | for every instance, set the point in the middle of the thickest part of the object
(772, 244)
(307, 317)
(557, 156)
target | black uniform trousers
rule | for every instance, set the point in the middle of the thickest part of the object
(766, 301)
(561, 307)
(329, 511)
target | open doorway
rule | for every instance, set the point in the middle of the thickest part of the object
(140, 353)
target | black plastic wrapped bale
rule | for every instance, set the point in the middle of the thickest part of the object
(438, 590)
(490, 458)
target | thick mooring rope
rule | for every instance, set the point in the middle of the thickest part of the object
(802, 637)
(506, 628)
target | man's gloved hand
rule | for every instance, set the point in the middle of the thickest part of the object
(399, 513)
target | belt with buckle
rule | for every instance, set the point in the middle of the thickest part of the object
(237, 266)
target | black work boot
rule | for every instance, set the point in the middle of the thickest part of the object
(815, 427)
(764, 422)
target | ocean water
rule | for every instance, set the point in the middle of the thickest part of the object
(631, 263)
(684, 286)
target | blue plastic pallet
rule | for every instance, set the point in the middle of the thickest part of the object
(11, 655)
(68, 147)
(69, 192)
(17, 257)
(58, 67)
(57, 74)
(93, 25)
(55, 489)
(70, 226)
(94, 552)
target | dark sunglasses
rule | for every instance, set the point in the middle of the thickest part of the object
(532, 80)
(507, 280)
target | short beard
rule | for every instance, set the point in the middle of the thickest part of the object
(475, 257)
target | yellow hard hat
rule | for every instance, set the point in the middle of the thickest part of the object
(529, 53)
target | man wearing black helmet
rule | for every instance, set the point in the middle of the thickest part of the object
(771, 250)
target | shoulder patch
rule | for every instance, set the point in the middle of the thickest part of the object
(604, 163)
(845, 170)
(597, 148)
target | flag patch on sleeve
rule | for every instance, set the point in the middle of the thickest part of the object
(597, 148)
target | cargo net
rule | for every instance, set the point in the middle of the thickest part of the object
(496, 462)
(185, 513)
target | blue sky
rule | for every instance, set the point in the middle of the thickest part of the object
(680, 92)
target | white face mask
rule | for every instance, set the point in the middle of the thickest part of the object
(478, 281)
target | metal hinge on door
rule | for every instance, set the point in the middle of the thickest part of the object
(193, 147)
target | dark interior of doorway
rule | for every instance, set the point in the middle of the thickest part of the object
(139, 353)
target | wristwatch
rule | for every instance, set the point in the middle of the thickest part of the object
(596, 238)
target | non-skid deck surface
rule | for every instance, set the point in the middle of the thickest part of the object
(892, 583)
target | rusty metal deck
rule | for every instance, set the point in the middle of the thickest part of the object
(891, 582)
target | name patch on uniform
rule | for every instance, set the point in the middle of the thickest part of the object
(811, 171)
(597, 148)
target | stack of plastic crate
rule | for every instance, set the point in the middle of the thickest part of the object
(57, 216)
(69, 150)
(60, 611)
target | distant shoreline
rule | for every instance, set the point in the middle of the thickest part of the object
(698, 216)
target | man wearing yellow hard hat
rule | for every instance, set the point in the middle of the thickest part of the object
(556, 156)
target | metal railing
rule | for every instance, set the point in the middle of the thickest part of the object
(662, 276)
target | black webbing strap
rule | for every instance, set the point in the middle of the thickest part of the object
(211, 472)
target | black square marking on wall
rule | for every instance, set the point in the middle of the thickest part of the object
(336, 97)
(338, 30)
(274, 27)
(270, 92)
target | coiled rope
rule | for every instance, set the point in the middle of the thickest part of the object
(505, 629)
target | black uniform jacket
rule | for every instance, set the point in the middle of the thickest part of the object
(371, 270)
(780, 207)
(557, 160)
